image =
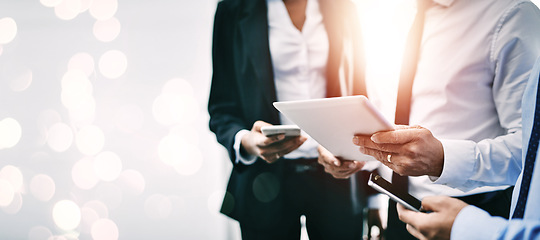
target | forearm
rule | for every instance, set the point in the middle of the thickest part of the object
(475, 223)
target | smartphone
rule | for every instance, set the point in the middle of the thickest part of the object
(288, 130)
(380, 184)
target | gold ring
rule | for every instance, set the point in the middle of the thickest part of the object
(389, 158)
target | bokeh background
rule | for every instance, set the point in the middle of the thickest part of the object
(103, 123)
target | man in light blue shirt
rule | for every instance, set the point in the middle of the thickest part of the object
(451, 218)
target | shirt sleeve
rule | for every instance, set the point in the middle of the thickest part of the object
(241, 157)
(497, 161)
(475, 223)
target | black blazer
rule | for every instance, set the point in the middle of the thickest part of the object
(243, 90)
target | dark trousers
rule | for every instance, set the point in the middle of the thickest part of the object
(496, 203)
(325, 201)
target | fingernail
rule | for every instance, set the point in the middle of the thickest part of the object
(336, 163)
(356, 141)
(374, 138)
(352, 165)
(280, 137)
(361, 149)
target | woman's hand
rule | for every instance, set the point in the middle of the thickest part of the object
(271, 148)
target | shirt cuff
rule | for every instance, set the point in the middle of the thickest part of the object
(245, 159)
(475, 223)
(377, 201)
(459, 159)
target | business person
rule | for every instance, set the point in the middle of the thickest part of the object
(454, 219)
(474, 59)
(280, 50)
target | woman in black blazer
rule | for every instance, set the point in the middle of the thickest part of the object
(268, 196)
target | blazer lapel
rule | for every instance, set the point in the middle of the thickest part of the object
(253, 28)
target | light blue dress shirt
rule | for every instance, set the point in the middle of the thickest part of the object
(474, 223)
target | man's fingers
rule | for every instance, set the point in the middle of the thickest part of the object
(258, 125)
(408, 216)
(413, 231)
(398, 136)
(366, 142)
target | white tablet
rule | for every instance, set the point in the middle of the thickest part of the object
(333, 122)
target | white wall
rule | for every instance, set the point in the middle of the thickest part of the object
(101, 140)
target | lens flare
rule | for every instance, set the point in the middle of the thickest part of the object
(66, 215)
(8, 30)
(10, 133)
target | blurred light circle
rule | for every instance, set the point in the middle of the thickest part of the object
(170, 149)
(132, 181)
(178, 86)
(42, 187)
(82, 61)
(84, 113)
(76, 88)
(88, 217)
(98, 206)
(66, 215)
(171, 109)
(266, 187)
(113, 64)
(103, 9)
(85, 5)
(10, 133)
(83, 174)
(15, 206)
(59, 137)
(50, 3)
(185, 109)
(68, 9)
(185, 157)
(8, 30)
(39, 233)
(14, 176)
(107, 166)
(90, 140)
(158, 206)
(104, 229)
(129, 118)
(107, 30)
(22, 81)
(187, 132)
(191, 161)
(7, 192)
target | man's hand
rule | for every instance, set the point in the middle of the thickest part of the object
(434, 225)
(408, 151)
(272, 148)
(339, 168)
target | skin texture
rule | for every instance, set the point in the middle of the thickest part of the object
(272, 148)
(297, 12)
(434, 225)
(414, 150)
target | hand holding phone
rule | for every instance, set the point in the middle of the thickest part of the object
(288, 130)
(380, 184)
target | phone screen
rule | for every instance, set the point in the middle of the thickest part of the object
(405, 199)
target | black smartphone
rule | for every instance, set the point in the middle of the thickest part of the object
(380, 184)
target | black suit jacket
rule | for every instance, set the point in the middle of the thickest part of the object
(243, 90)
